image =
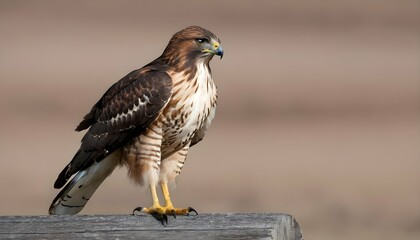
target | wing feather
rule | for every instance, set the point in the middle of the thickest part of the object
(124, 111)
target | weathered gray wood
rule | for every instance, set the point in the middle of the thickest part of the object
(203, 226)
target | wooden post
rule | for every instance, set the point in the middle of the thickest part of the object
(202, 226)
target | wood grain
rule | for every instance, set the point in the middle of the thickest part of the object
(203, 226)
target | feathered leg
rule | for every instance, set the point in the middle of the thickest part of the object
(143, 158)
(170, 169)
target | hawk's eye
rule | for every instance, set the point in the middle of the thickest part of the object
(201, 40)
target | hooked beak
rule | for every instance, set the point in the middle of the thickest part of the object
(214, 48)
(217, 49)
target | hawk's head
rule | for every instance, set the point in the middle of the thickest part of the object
(191, 44)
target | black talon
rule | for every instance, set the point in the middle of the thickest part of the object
(173, 213)
(162, 218)
(137, 209)
(190, 209)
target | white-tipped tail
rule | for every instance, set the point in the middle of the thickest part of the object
(74, 196)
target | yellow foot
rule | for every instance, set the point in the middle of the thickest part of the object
(179, 211)
(157, 211)
(160, 213)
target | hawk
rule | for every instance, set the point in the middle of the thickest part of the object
(146, 121)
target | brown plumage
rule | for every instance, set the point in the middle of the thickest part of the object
(146, 121)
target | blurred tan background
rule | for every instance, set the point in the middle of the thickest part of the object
(319, 107)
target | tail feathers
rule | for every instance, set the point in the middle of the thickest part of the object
(62, 178)
(80, 158)
(74, 196)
